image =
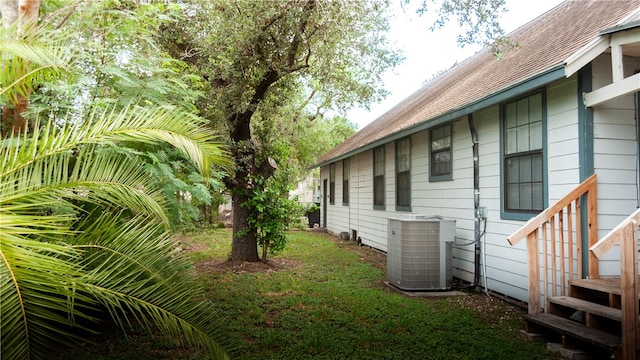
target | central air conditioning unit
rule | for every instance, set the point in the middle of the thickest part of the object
(419, 252)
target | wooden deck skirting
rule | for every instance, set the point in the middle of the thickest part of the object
(559, 228)
(626, 236)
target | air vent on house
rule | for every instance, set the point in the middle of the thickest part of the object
(419, 252)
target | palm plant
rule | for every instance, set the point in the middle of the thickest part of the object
(83, 228)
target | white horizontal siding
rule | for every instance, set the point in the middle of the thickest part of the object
(615, 159)
(506, 266)
(508, 280)
(338, 214)
(562, 138)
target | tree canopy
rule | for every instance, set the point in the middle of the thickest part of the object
(271, 62)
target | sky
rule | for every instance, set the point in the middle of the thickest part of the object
(428, 52)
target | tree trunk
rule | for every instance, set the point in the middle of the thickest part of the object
(12, 120)
(265, 250)
(9, 12)
(244, 246)
(25, 13)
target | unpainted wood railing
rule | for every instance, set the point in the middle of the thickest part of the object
(626, 235)
(558, 228)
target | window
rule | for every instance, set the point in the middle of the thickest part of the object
(403, 174)
(345, 182)
(332, 183)
(378, 178)
(523, 168)
(440, 148)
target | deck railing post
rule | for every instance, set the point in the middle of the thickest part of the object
(629, 290)
(592, 229)
(626, 235)
(534, 272)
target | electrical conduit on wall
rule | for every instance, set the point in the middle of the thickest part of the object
(479, 215)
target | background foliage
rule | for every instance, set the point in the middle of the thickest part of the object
(84, 232)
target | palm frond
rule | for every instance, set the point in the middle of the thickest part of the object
(89, 176)
(44, 180)
(31, 60)
(39, 296)
(133, 123)
(156, 124)
(136, 269)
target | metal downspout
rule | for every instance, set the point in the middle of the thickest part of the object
(476, 200)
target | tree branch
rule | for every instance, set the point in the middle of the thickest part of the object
(297, 39)
(268, 167)
(272, 20)
(242, 126)
(73, 9)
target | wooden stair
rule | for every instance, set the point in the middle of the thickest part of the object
(588, 320)
(573, 334)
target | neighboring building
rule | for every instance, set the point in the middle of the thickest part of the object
(308, 194)
(308, 190)
(540, 120)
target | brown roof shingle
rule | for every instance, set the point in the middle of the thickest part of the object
(544, 43)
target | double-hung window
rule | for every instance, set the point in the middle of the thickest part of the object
(403, 175)
(440, 149)
(523, 156)
(332, 183)
(345, 182)
(378, 178)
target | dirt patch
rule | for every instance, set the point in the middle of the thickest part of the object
(366, 253)
(243, 267)
(185, 243)
(491, 309)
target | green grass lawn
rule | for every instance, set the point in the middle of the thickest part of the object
(322, 299)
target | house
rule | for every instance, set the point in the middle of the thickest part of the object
(493, 143)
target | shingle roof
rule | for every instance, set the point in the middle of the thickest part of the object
(544, 44)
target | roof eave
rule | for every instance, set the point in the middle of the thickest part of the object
(597, 46)
(536, 81)
(585, 55)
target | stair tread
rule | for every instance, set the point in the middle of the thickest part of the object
(576, 330)
(587, 306)
(606, 285)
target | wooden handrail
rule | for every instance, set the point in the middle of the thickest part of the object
(626, 235)
(552, 221)
(549, 212)
(613, 237)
